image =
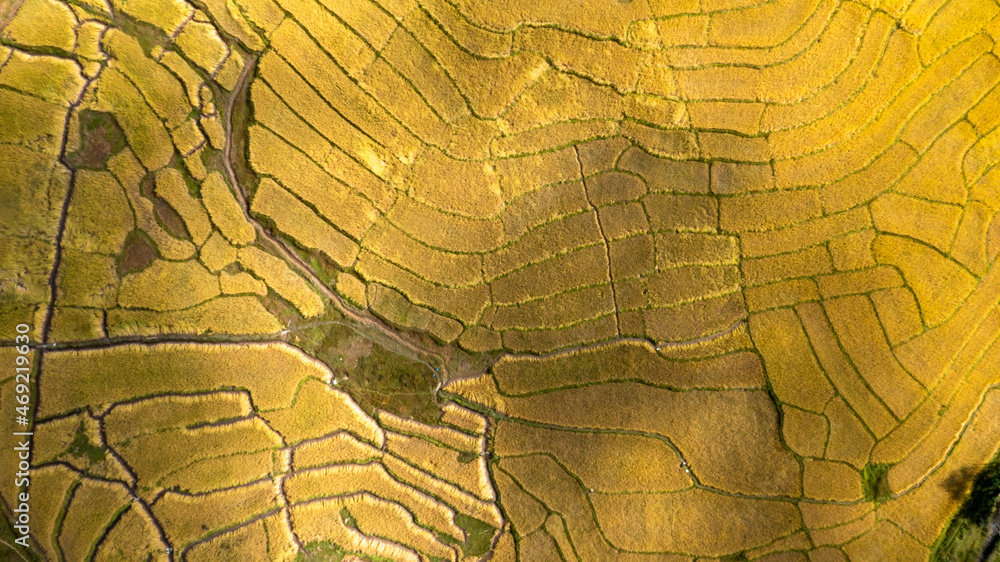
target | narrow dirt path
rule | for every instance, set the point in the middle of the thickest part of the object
(363, 318)
(7, 12)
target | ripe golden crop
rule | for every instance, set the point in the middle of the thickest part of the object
(53, 484)
(120, 373)
(201, 44)
(187, 518)
(464, 303)
(159, 88)
(738, 276)
(92, 509)
(372, 478)
(158, 413)
(318, 410)
(167, 285)
(154, 456)
(604, 462)
(42, 23)
(340, 448)
(380, 518)
(292, 217)
(280, 277)
(271, 111)
(171, 187)
(230, 315)
(75, 324)
(143, 129)
(471, 477)
(134, 532)
(30, 122)
(49, 78)
(226, 212)
(100, 217)
(249, 542)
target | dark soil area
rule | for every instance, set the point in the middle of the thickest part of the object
(139, 252)
(100, 138)
(165, 214)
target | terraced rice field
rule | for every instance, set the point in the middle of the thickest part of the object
(445, 279)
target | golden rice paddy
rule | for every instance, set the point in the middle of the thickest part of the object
(687, 279)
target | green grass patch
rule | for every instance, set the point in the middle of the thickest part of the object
(83, 448)
(242, 118)
(326, 551)
(393, 382)
(478, 534)
(349, 519)
(8, 546)
(875, 482)
(446, 539)
(147, 35)
(321, 551)
(193, 185)
(372, 374)
(325, 270)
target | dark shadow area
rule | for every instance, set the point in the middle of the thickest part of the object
(959, 481)
(969, 532)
